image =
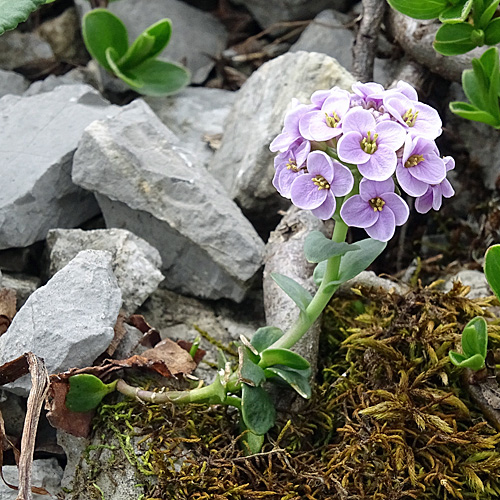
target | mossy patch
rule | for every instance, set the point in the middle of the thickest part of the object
(389, 418)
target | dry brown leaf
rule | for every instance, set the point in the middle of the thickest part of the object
(7, 308)
(200, 353)
(151, 335)
(119, 334)
(173, 355)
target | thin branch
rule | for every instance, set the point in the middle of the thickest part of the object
(366, 41)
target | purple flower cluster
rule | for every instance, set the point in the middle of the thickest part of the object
(362, 144)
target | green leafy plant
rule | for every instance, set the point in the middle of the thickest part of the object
(14, 12)
(86, 392)
(474, 345)
(482, 87)
(106, 39)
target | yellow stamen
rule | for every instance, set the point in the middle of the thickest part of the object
(414, 160)
(332, 120)
(410, 118)
(377, 204)
(369, 145)
(321, 182)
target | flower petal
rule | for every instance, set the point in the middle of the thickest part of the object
(349, 149)
(380, 165)
(358, 120)
(326, 210)
(358, 213)
(408, 183)
(398, 207)
(432, 170)
(391, 134)
(284, 181)
(437, 197)
(424, 203)
(447, 189)
(343, 180)
(305, 194)
(373, 189)
(319, 163)
(313, 127)
(383, 229)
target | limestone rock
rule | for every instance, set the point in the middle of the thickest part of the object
(135, 262)
(244, 164)
(69, 321)
(267, 13)
(197, 36)
(19, 49)
(147, 183)
(196, 115)
(12, 83)
(39, 136)
(475, 279)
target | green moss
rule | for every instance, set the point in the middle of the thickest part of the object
(389, 418)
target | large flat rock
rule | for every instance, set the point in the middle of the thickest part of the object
(39, 136)
(69, 321)
(147, 183)
(244, 164)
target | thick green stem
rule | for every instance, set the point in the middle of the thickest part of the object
(200, 395)
(322, 297)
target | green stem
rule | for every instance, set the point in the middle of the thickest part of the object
(322, 297)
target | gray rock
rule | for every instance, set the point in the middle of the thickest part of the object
(244, 164)
(19, 49)
(13, 410)
(327, 34)
(197, 36)
(475, 279)
(370, 279)
(12, 83)
(75, 76)
(196, 115)
(23, 284)
(39, 136)
(481, 141)
(147, 183)
(135, 262)
(267, 13)
(69, 321)
(46, 473)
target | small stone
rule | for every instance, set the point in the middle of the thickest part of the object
(147, 183)
(23, 284)
(69, 321)
(135, 262)
(369, 279)
(243, 164)
(327, 34)
(195, 115)
(12, 83)
(475, 279)
(197, 36)
(37, 191)
(46, 473)
(20, 49)
(267, 13)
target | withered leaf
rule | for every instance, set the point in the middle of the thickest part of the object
(7, 308)
(173, 355)
(151, 336)
(200, 353)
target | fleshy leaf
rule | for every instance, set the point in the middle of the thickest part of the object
(492, 32)
(455, 39)
(86, 392)
(297, 381)
(456, 13)
(147, 45)
(492, 268)
(296, 292)
(257, 409)
(319, 272)
(352, 263)
(252, 443)
(101, 29)
(487, 14)
(475, 362)
(265, 337)
(420, 9)
(475, 337)
(285, 357)
(470, 112)
(248, 371)
(13, 12)
(318, 247)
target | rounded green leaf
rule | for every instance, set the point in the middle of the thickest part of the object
(13, 12)
(470, 112)
(456, 13)
(475, 337)
(252, 443)
(487, 14)
(294, 290)
(475, 362)
(86, 392)
(419, 9)
(147, 45)
(317, 247)
(265, 337)
(297, 381)
(492, 268)
(285, 357)
(101, 30)
(249, 372)
(454, 39)
(257, 409)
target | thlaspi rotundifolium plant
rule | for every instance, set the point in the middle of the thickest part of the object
(475, 333)
(467, 24)
(106, 39)
(13, 12)
(346, 156)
